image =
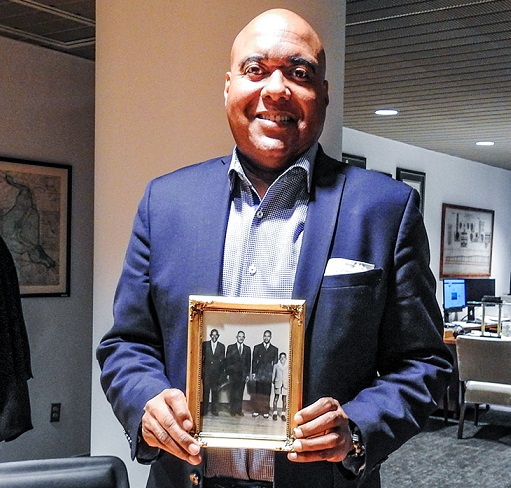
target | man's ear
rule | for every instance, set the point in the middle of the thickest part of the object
(227, 85)
(327, 98)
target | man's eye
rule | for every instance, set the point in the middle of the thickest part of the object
(253, 70)
(301, 73)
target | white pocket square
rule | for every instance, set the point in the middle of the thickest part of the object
(339, 266)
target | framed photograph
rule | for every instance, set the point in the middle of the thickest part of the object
(358, 161)
(467, 241)
(244, 370)
(415, 179)
(383, 173)
(35, 202)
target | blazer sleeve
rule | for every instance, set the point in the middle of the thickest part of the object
(413, 364)
(130, 354)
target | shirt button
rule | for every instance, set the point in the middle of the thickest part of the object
(259, 214)
(252, 270)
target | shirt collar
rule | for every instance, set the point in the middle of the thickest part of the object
(305, 161)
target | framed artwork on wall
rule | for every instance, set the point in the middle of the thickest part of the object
(415, 179)
(358, 161)
(247, 397)
(35, 207)
(384, 173)
(466, 242)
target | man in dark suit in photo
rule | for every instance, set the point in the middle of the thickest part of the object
(264, 358)
(213, 357)
(237, 367)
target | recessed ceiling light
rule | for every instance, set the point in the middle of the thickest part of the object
(485, 143)
(386, 111)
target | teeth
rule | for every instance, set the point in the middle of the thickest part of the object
(276, 118)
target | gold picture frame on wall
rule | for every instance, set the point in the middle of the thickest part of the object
(231, 419)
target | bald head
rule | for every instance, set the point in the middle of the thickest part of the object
(273, 23)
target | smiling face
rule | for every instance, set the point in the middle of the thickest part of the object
(276, 94)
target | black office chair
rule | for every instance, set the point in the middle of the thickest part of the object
(79, 472)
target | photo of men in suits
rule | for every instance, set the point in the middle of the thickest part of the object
(213, 358)
(265, 356)
(237, 367)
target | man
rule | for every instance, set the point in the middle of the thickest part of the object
(264, 358)
(238, 371)
(213, 357)
(280, 219)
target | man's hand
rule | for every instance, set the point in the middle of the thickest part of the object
(322, 434)
(166, 424)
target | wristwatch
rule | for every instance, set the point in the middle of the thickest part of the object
(355, 460)
(358, 449)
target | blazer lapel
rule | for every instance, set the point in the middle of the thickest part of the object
(327, 187)
(211, 226)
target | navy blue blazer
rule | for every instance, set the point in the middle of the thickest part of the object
(373, 339)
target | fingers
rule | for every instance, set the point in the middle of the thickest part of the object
(324, 414)
(166, 424)
(322, 433)
(332, 446)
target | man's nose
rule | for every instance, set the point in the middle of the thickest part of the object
(276, 86)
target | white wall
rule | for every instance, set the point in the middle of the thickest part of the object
(448, 180)
(47, 114)
(159, 106)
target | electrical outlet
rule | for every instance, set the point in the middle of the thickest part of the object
(55, 412)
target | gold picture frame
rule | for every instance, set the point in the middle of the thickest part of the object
(231, 420)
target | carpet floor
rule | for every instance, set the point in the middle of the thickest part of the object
(436, 458)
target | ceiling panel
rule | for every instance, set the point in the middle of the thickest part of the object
(445, 65)
(63, 25)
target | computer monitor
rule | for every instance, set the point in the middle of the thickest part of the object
(454, 295)
(477, 288)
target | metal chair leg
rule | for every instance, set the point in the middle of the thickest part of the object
(446, 405)
(461, 421)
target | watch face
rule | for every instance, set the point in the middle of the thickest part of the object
(358, 446)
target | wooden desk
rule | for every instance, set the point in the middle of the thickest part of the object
(449, 336)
